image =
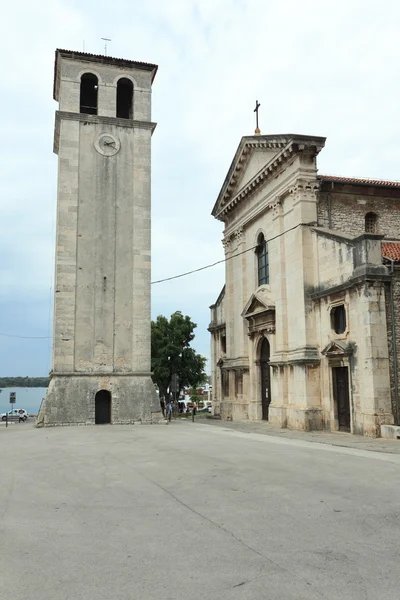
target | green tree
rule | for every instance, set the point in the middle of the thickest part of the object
(171, 353)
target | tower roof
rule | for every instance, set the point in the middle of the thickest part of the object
(100, 58)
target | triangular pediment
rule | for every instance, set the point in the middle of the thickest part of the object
(338, 348)
(257, 159)
(256, 305)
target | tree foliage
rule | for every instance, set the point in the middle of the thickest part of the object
(171, 353)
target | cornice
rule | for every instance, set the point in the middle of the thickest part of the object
(214, 327)
(96, 120)
(352, 282)
(296, 361)
(306, 355)
(239, 363)
(99, 374)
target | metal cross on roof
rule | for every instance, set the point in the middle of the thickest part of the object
(105, 45)
(257, 130)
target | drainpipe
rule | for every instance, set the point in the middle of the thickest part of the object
(394, 341)
(330, 207)
(353, 416)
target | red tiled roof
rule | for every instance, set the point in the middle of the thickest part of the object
(358, 180)
(391, 250)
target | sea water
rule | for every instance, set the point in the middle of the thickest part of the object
(28, 398)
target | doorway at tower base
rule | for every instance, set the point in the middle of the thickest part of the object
(71, 400)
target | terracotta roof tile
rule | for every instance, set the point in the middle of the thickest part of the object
(358, 180)
(391, 250)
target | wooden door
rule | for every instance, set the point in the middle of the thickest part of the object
(340, 377)
(103, 407)
(265, 380)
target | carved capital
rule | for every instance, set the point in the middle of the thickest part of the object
(304, 187)
(239, 234)
(275, 206)
(226, 242)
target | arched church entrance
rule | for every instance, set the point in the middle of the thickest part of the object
(102, 407)
(265, 379)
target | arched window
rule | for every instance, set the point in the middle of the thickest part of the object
(371, 222)
(88, 98)
(262, 260)
(125, 99)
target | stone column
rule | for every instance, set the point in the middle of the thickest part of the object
(372, 363)
(229, 296)
(304, 411)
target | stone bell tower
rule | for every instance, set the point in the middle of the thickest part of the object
(101, 338)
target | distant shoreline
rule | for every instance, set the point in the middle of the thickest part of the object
(24, 382)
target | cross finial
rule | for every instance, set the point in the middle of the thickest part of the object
(257, 130)
(105, 44)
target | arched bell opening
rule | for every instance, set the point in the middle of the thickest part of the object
(125, 99)
(89, 93)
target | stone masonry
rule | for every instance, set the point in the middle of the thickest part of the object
(307, 343)
(101, 339)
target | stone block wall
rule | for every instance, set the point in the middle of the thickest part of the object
(70, 72)
(351, 204)
(396, 300)
(70, 400)
(333, 260)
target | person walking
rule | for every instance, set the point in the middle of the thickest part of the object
(169, 410)
(193, 411)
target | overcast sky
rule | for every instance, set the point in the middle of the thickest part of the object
(317, 67)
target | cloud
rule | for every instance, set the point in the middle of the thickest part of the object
(316, 67)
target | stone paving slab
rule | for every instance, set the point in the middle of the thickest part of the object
(338, 438)
(193, 511)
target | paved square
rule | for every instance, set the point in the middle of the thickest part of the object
(192, 511)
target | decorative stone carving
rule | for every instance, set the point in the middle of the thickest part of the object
(239, 235)
(275, 206)
(304, 187)
(226, 242)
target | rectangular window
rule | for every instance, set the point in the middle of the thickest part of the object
(263, 262)
(338, 319)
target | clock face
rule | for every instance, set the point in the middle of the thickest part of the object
(107, 144)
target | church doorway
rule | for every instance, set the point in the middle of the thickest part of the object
(265, 379)
(340, 380)
(102, 407)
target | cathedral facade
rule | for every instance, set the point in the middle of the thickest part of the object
(306, 330)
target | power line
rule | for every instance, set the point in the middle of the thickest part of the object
(218, 262)
(27, 337)
(229, 257)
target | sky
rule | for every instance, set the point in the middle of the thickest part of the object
(317, 67)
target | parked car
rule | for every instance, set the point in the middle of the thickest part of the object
(17, 414)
